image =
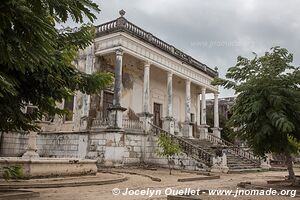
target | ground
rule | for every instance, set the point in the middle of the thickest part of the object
(138, 182)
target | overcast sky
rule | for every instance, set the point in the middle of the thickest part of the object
(214, 32)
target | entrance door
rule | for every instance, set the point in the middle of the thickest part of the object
(194, 125)
(157, 115)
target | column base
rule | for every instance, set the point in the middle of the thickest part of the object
(220, 164)
(116, 117)
(31, 151)
(145, 117)
(265, 163)
(169, 124)
(216, 132)
(203, 129)
(29, 154)
(187, 130)
(219, 169)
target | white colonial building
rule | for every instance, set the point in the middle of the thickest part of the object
(157, 88)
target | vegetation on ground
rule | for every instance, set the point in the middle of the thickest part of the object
(168, 148)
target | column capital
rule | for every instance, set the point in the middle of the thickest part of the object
(119, 52)
(147, 63)
(203, 89)
(216, 94)
(187, 81)
(170, 74)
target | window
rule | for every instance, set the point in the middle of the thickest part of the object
(69, 106)
(30, 109)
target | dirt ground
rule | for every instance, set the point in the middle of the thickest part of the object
(138, 183)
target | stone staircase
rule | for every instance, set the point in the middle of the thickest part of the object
(235, 162)
(238, 159)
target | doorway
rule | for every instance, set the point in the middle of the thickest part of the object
(157, 114)
(107, 103)
(194, 125)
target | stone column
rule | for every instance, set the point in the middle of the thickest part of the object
(203, 106)
(169, 122)
(170, 94)
(146, 95)
(118, 78)
(216, 129)
(198, 110)
(31, 151)
(187, 128)
(203, 126)
(116, 112)
(145, 116)
(198, 115)
(188, 101)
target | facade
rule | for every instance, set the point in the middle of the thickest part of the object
(152, 80)
(156, 85)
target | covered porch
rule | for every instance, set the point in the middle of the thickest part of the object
(145, 92)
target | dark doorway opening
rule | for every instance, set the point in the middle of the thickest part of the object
(157, 114)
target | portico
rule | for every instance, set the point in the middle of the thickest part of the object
(170, 88)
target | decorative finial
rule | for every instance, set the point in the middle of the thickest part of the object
(216, 68)
(122, 12)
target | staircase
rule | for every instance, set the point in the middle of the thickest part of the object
(190, 149)
(235, 162)
(238, 159)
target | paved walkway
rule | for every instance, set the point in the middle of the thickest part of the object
(137, 182)
(98, 179)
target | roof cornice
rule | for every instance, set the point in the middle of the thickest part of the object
(121, 24)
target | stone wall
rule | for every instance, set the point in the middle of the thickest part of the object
(13, 144)
(108, 148)
(58, 145)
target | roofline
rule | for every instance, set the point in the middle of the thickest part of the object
(123, 25)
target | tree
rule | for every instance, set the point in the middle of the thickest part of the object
(169, 149)
(267, 108)
(37, 60)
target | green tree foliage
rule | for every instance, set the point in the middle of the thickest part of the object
(37, 60)
(167, 148)
(267, 108)
(12, 172)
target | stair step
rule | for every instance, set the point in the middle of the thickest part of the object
(240, 171)
(243, 167)
(235, 163)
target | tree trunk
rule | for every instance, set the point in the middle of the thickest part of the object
(289, 164)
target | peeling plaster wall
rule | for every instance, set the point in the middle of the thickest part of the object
(108, 148)
(81, 101)
(117, 149)
(132, 88)
(59, 145)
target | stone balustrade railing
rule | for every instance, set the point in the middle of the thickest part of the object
(127, 124)
(100, 123)
(248, 154)
(191, 150)
(121, 24)
(132, 124)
